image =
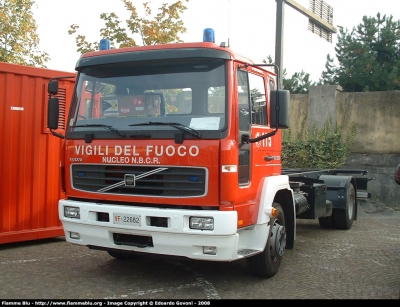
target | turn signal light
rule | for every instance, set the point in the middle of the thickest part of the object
(271, 211)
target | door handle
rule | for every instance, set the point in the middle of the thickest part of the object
(269, 158)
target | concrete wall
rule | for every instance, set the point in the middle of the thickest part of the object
(376, 146)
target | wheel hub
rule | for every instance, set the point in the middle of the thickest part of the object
(278, 240)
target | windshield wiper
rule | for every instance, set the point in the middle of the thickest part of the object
(179, 126)
(111, 128)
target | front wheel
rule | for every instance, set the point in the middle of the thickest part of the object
(266, 263)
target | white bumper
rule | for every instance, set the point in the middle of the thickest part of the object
(175, 238)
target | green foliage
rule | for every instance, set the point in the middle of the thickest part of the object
(368, 56)
(298, 83)
(327, 148)
(329, 76)
(164, 28)
(18, 38)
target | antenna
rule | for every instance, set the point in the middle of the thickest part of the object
(229, 20)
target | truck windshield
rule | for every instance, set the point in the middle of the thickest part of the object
(189, 93)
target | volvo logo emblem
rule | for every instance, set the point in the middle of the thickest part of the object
(129, 180)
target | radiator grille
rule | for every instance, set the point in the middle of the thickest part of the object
(150, 180)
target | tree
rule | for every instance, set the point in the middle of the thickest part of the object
(164, 28)
(298, 83)
(329, 76)
(368, 56)
(18, 38)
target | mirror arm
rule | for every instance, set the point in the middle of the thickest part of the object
(56, 134)
(246, 138)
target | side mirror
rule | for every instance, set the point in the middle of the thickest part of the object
(52, 87)
(280, 120)
(52, 113)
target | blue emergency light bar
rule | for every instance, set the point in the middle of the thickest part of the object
(104, 44)
(208, 35)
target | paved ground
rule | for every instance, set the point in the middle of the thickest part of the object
(360, 263)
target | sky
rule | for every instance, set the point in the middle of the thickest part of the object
(247, 26)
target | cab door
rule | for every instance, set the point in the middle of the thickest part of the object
(255, 157)
(256, 160)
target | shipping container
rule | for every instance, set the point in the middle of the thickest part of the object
(30, 184)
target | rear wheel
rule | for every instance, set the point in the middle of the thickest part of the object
(326, 222)
(266, 263)
(343, 219)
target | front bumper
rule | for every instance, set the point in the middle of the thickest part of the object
(174, 239)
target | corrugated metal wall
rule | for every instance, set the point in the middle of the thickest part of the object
(30, 184)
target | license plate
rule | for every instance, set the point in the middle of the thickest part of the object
(127, 219)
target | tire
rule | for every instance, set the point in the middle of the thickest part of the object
(326, 222)
(343, 218)
(266, 263)
(120, 255)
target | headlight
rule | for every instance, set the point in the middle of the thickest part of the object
(203, 223)
(72, 212)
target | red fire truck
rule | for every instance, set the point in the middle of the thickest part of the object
(175, 150)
